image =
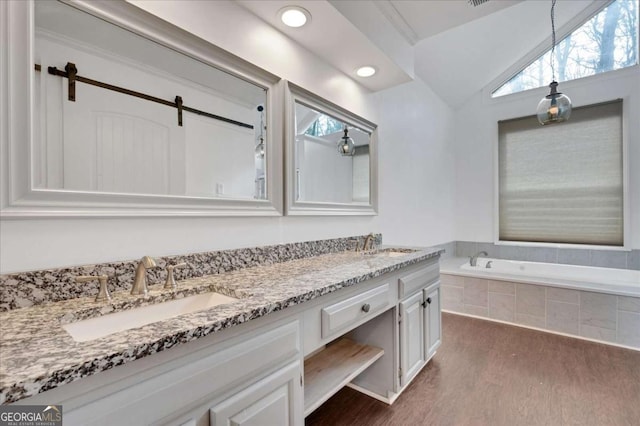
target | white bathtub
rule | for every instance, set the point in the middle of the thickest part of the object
(623, 282)
(599, 304)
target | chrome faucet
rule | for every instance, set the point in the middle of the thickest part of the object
(140, 281)
(369, 242)
(473, 260)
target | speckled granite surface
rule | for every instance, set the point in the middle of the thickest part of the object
(37, 354)
(20, 290)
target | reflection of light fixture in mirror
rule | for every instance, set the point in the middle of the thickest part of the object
(260, 147)
(260, 188)
(294, 16)
(366, 71)
(555, 107)
(259, 151)
(346, 146)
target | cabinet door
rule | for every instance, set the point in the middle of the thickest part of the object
(275, 400)
(432, 327)
(412, 334)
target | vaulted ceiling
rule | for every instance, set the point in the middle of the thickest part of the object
(454, 47)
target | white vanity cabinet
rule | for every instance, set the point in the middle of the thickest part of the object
(409, 334)
(433, 323)
(233, 379)
(418, 320)
(374, 337)
(270, 401)
(334, 356)
(412, 337)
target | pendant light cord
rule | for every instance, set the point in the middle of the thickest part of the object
(553, 40)
(261, 109)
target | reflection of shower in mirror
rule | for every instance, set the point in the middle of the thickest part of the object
(115, 142)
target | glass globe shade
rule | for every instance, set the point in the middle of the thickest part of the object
(259, 150)
(554, 108)
(346, 147)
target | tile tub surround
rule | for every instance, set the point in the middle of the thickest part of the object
(585, 257)
(607, 318)
(37, 354)
(19, 290)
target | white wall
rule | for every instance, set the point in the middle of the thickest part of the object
(476, 137)
(416, 165)
(324, 174)
(234, 29)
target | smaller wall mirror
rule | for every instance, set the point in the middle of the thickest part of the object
(331, 158)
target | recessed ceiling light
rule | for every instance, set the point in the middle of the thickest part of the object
(294, 16)
(366, 71)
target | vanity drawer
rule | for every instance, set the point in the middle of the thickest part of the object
(341, 315)
(419, 279)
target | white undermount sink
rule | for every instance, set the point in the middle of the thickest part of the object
(94, 328)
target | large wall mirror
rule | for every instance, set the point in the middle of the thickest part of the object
(331, 158)
(148, 122)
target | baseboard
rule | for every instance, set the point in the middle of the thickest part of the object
(372, 394)
(544, 330)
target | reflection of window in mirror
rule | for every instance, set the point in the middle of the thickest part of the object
(111, 142)
(322, 174)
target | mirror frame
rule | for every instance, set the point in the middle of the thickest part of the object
(19, 199)
(310, 208)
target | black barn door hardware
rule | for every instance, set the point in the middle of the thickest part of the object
(71, 73)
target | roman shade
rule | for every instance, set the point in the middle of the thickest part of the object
(563, 183)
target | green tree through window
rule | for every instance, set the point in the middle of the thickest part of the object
(607, 42)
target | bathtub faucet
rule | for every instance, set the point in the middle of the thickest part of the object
(473, 260)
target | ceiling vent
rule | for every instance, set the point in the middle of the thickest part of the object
(477, 2)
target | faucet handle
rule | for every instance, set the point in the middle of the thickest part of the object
(171, 282)
(103, 294)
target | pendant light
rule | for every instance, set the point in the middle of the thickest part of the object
(346, 147)
(555, 107)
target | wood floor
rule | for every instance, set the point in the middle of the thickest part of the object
(493, 374)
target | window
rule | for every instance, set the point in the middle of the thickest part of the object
(607, 42)
(563, 183)
(324, 125)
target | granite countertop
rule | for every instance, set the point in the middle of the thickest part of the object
(37, 354)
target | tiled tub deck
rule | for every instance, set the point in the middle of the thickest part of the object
(608, 318)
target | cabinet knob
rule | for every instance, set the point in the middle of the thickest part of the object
(366, 307)
(428, 300)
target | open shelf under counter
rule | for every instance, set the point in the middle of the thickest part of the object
(328, 371)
